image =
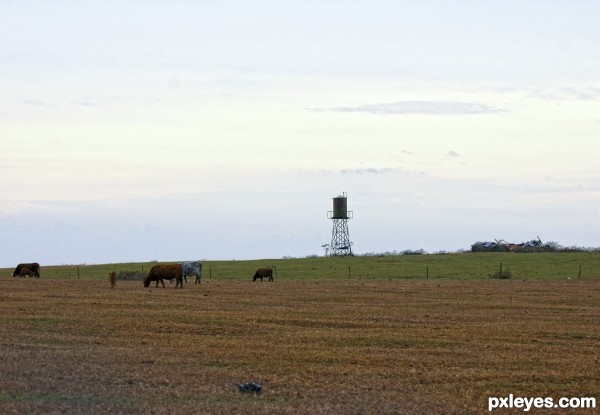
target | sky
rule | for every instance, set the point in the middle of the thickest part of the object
(181, 130)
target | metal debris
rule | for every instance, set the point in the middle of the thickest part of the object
(249, 387)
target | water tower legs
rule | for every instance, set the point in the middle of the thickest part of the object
(340, 238)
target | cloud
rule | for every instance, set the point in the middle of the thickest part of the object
(34, 103)
(93, 101)
(367, 170)
(567, 93)
(421, 107)
(453, 153)
(380, 171)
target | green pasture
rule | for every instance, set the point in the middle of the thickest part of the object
(558, 265)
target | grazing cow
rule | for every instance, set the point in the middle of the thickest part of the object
(192, 268)
(159, 273)
(263, 273)
(34, 267)
(26, 272)
(112, 277)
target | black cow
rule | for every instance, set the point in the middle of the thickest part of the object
(263, 273)
(34, 267)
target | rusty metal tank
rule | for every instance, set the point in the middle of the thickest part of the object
(340, 207)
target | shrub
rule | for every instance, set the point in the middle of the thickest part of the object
(502, 274)
(130, 275)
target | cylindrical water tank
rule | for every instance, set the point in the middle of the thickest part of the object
(340, 207)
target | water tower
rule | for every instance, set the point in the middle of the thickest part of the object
(340, 238)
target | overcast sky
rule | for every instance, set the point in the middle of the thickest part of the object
(176, 130)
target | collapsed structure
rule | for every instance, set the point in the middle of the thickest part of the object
(500, 245)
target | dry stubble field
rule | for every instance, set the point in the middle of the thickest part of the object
(328, 347)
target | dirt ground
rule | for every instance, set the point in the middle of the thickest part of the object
(329, 347)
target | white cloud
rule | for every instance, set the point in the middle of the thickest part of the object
(422, 107)
(567, 93)
(34, 103)
(367, 170)
(95, 101)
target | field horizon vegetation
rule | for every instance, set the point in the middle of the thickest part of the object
(331, 335)
(462, 265)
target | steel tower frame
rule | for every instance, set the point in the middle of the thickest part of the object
(340, 238)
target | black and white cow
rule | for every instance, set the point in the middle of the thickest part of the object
(192, 268)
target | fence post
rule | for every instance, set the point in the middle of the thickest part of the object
(579, 272)
(349, 274)
(428, 271)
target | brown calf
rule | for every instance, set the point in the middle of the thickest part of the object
(112, 276)
(26, 272)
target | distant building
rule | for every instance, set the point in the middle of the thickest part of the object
(535, 245)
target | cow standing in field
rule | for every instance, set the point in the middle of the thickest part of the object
(263, 273)
(159, 273)
(112, 277)
(26, 272)
(192, 268)
(34, 267)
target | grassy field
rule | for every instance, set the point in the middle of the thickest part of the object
(380, 342)
(456, 266)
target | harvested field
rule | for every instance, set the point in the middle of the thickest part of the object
(317, 347)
